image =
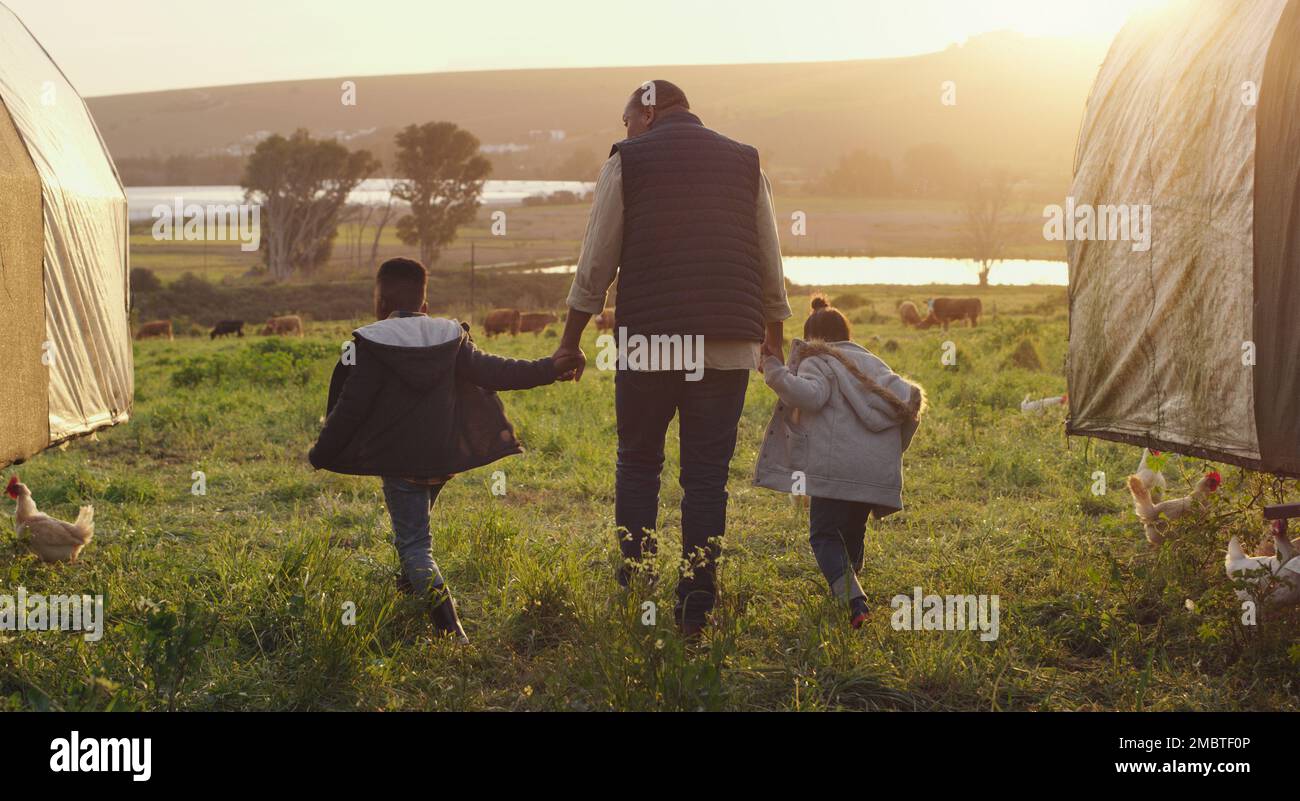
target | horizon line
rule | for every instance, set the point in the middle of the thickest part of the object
(472, 70)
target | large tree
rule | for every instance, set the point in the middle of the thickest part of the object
(441, 179)
(302, 185)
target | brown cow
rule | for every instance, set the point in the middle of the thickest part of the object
(605, 320)
(907, 311)
(283, 326)
(227, 327)
(947, 310)
(157, 328)
(536, 322)
(501, 321)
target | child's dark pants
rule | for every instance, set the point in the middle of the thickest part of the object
(837, 531)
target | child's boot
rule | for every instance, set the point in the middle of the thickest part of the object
(445, 620)
(846, 587)
(858, 611)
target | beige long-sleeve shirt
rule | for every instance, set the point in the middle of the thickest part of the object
(602, 247)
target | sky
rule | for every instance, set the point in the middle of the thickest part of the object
(120, 46)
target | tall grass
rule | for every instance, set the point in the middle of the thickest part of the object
(241, 598)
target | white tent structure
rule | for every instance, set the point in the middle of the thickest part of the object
(65, 340)
(1193, 344)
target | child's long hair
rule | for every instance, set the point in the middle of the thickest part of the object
(828, 324)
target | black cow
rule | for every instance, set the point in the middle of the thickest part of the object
(224, 327)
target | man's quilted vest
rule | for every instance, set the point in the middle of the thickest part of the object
(690, 262)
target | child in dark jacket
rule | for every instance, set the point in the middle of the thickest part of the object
(413, 401)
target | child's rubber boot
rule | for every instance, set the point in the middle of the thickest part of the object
(858, 611)
(445, 620)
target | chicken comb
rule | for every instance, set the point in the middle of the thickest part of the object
(11, 489)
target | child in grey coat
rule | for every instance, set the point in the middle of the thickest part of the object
(838, 435)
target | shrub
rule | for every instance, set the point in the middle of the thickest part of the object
(144, 280)
(1025, 356)
(268, 363)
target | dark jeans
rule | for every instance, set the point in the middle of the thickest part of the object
(708, 412)
(837, 532)
(408, 507)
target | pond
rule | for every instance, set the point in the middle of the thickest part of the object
(829, 270)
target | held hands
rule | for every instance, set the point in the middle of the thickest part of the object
(568, 358)
(569, 363)
(773, 348)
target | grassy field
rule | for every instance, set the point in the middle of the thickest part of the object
(236, 599)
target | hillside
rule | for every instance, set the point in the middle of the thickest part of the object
(803, 117)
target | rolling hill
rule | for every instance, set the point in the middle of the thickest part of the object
(1019, 101)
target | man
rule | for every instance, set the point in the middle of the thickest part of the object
(683, 218)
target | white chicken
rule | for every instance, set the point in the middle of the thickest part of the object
(1283, 567)
(1153, 480)
(50, 539)
(1150, 513)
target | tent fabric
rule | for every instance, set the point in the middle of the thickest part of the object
(1157, 337)
(24, 408)
(87, 338)
(1277, 250)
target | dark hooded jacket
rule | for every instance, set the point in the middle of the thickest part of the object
(419, 402)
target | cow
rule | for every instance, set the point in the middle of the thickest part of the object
(283, 326)
(226, 327)
(157, 328)
(536, 322)
(947, 310)
(605, 320)
(907, 311)
(501, 321)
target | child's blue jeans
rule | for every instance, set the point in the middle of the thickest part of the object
(409, 503)
(837, 531)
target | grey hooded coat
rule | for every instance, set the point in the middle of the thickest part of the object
(828, 430)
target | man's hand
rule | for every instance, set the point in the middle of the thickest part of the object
(774, 342)
(569, 363)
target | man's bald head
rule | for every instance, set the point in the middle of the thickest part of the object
(650, 101)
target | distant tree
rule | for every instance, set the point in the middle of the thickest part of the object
(302, 185)
(441, 178)
(987, 216)
(144, 280)
(861, 174)
(932, 170)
